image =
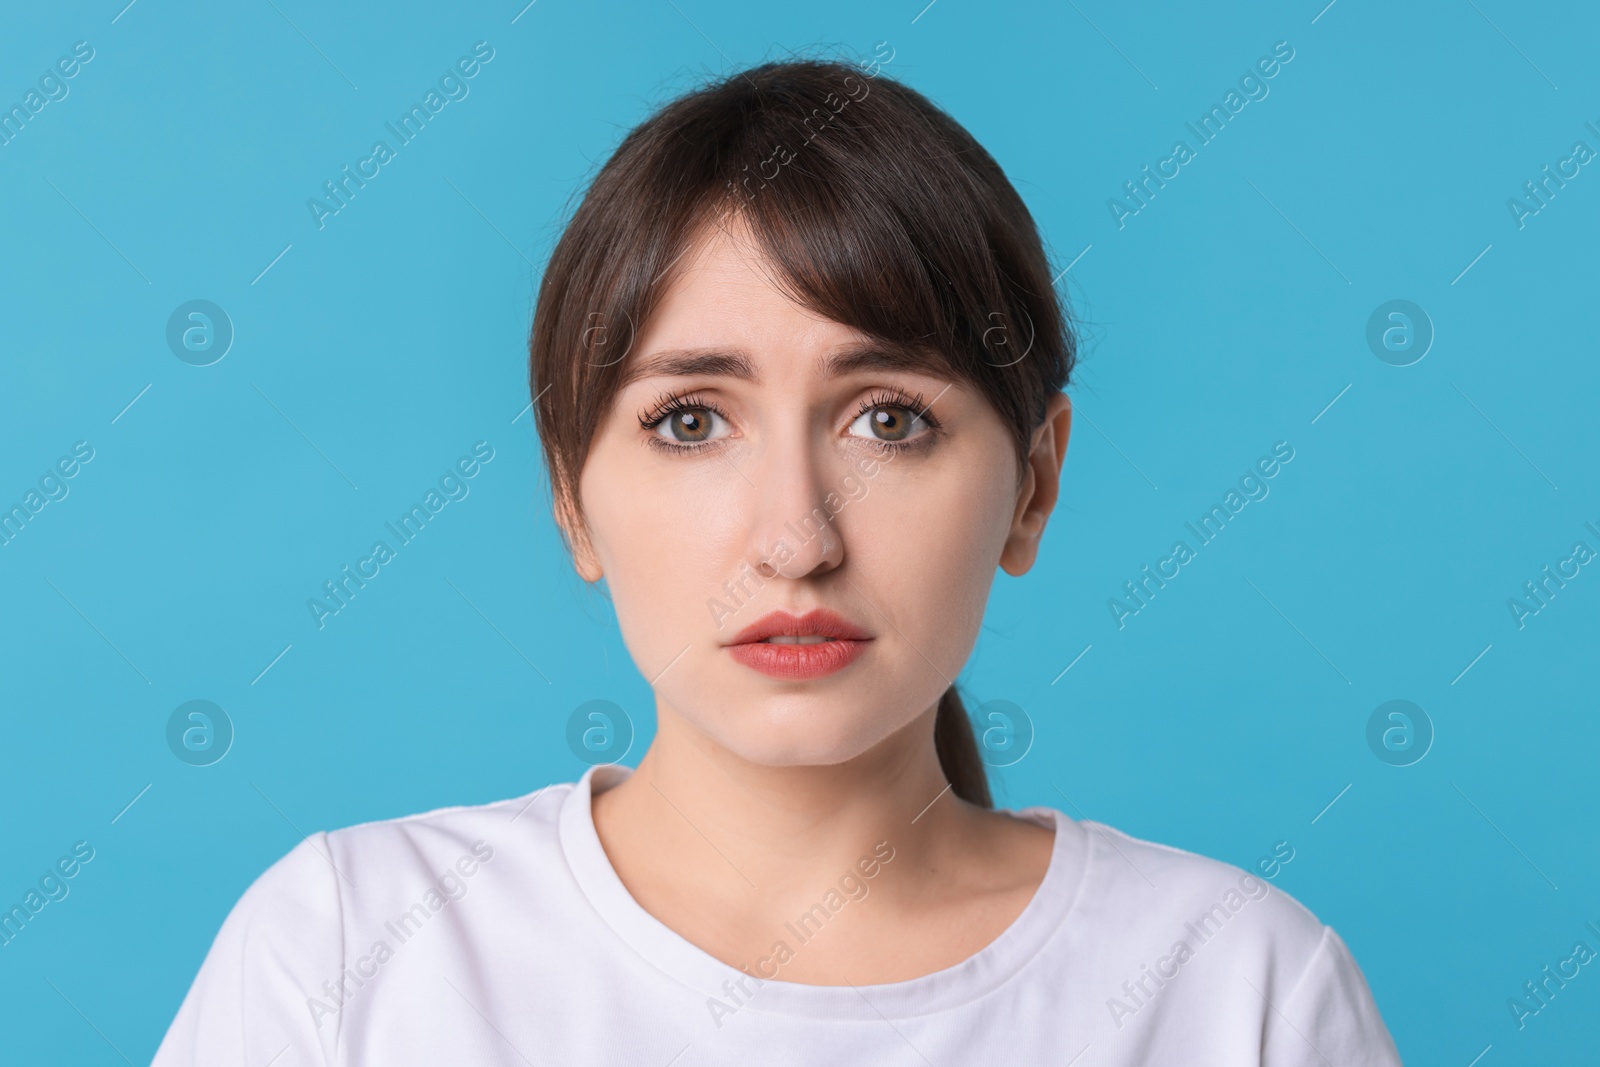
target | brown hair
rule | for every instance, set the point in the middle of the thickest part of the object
(879, 211)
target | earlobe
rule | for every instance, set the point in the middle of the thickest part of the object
(587, 566)
(1041, 487)
(575, 533)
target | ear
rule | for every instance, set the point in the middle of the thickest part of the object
(576, 533)
(1041, 486)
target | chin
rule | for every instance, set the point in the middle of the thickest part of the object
(800, 731)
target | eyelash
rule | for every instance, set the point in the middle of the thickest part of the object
(670, 404)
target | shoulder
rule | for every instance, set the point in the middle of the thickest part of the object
(334, 874)
(1199, 955)
(446, 837)
(1175, 895)
(276, 974)
(389, 866)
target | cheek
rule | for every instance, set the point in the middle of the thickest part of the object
(925, 544)
(665, 543)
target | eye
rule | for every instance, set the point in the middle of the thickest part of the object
(688, 425)
(892, 418)
(684, 423)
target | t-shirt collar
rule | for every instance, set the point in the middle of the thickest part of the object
(687, 963)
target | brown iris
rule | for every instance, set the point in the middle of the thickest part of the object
(890, 423)
(691, 425)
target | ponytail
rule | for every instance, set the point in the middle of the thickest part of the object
(953, 740)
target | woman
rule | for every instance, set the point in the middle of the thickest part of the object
(797, 365)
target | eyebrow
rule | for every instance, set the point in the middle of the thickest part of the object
(736, 363)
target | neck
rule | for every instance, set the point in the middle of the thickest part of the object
(747, 835)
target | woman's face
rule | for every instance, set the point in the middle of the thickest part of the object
(770, 486)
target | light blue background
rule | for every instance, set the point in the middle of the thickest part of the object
(1222, 719)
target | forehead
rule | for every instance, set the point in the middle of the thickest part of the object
(724, 282)
(724, 311)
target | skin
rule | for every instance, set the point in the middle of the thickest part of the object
(757, 794)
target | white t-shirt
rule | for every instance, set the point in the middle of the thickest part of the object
(500, 934)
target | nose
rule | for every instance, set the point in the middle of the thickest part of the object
(793, 530)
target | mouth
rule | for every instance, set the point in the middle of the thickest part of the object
(799, 647)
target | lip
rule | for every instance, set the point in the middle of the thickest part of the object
(818, 622)
(846, 641)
